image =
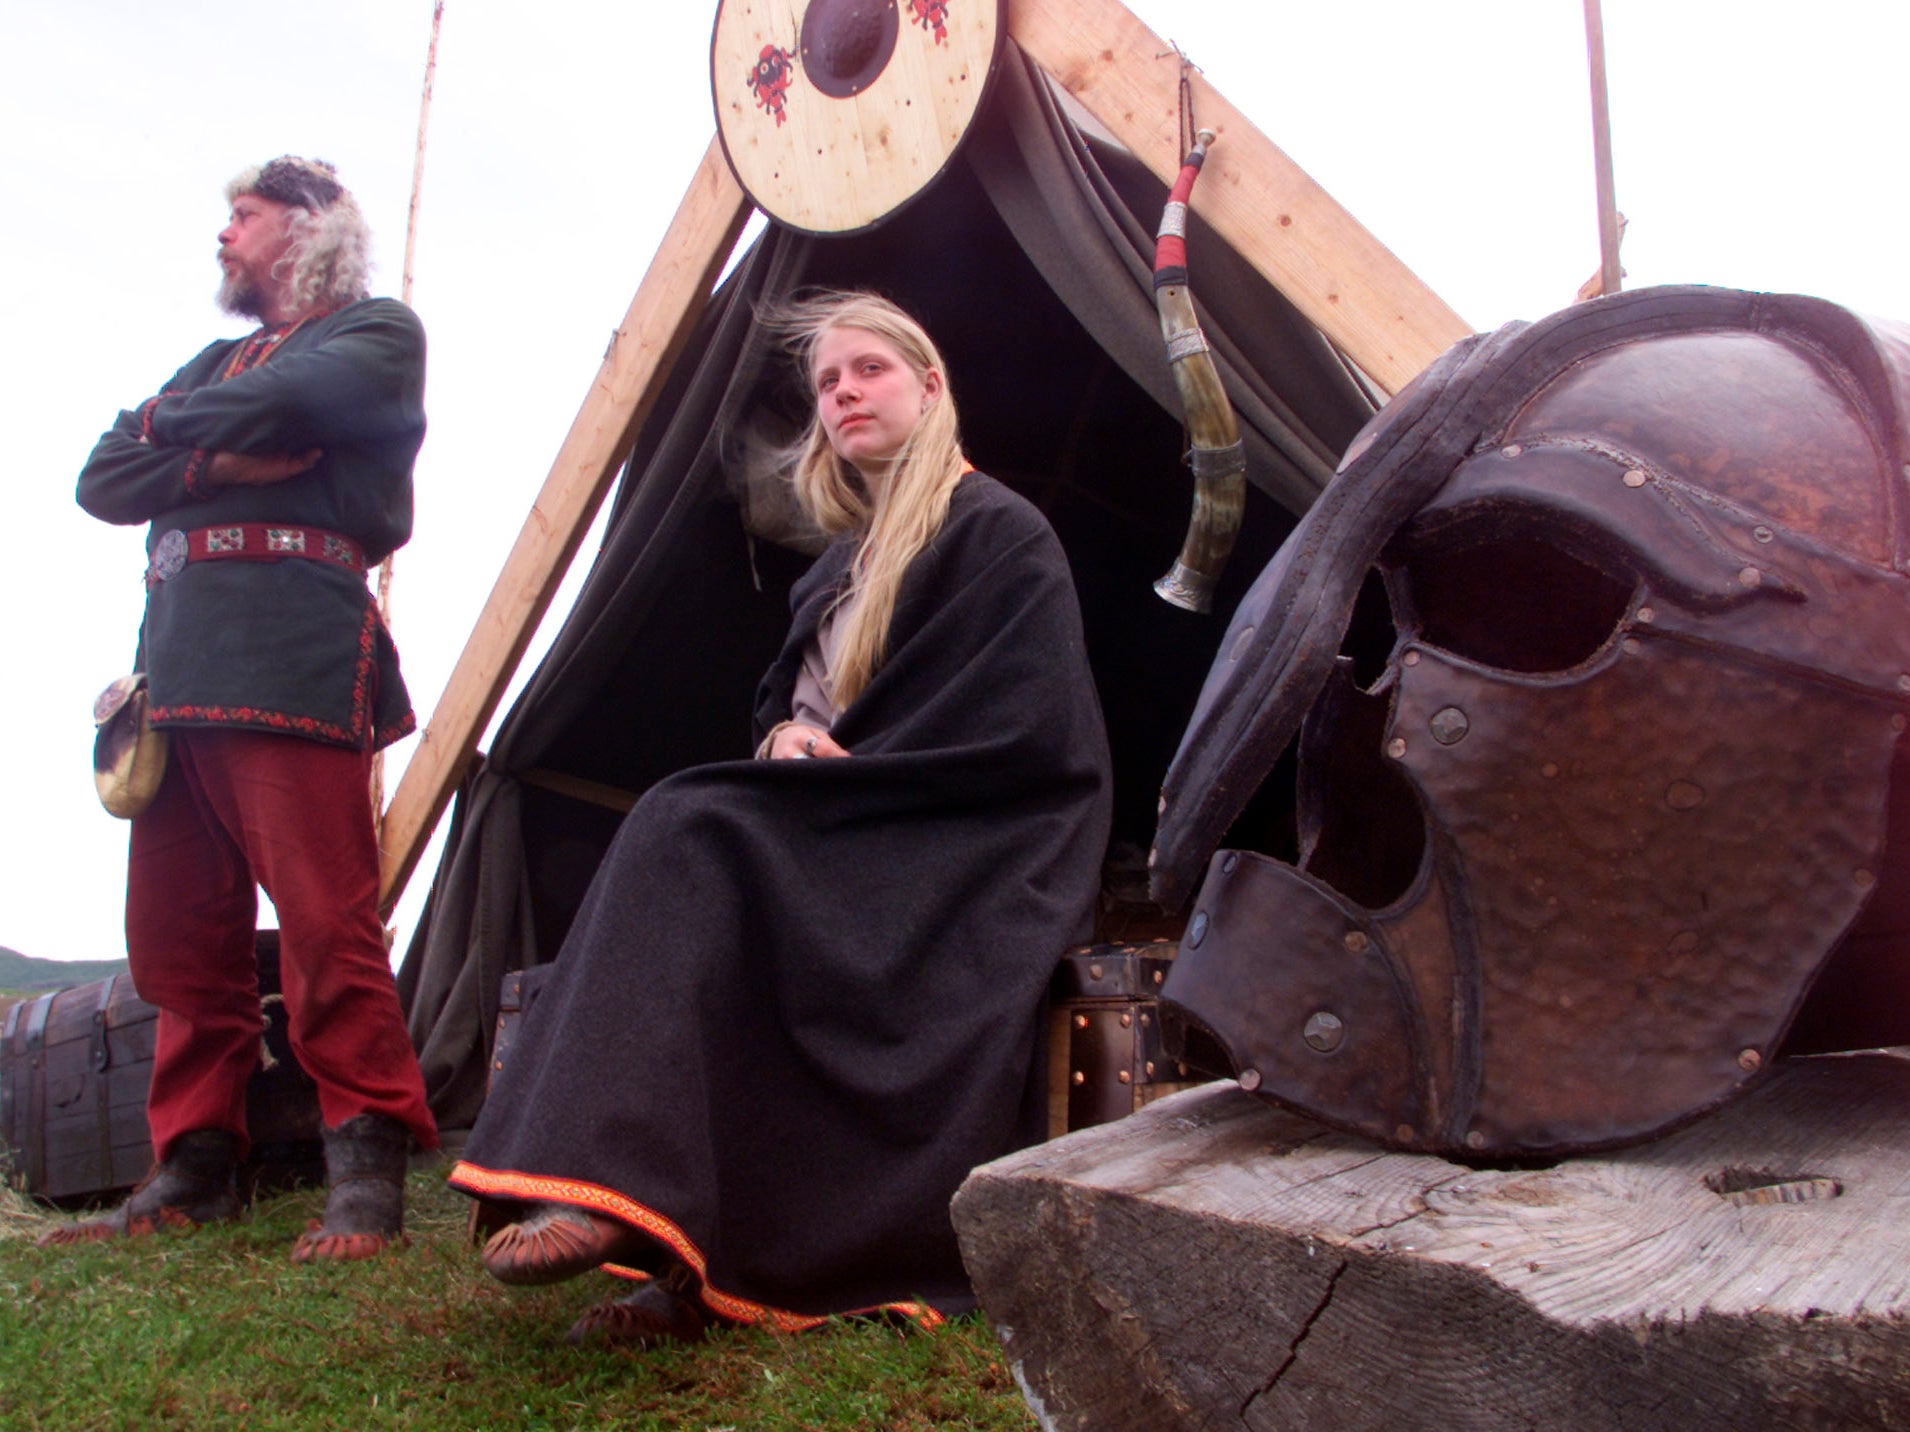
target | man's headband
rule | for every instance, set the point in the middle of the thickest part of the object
(302, 183)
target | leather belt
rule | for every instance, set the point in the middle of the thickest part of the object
(249, 542)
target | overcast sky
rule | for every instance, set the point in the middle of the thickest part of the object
(1757, 145)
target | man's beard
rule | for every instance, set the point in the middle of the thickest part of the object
(241, 294)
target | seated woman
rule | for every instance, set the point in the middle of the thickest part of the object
(804, 997)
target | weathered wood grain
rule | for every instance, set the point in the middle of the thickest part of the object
(1213, 1262)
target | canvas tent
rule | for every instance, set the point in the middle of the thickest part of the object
(1030, 260)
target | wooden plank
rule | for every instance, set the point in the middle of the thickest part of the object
(1347, 283)
(1213, 1262)
(643, 351)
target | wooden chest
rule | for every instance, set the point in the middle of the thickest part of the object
(1104, 1035)
(74, 1070)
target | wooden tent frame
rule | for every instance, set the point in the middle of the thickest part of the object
(1345, 282)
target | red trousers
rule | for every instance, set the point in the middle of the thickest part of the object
(239, 810)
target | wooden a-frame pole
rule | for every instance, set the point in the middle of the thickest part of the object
(642, 352)
(1257, 199)
(1347, 283)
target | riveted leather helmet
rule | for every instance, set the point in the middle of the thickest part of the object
(1600, 780)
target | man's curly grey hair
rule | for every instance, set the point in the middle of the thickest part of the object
(329, 262)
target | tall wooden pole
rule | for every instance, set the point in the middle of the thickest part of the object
(1610, 280)
(404, 295)
(417, 159)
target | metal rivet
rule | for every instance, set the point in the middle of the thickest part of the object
(1160, 806)
(1078, 1078)
(1684, 795)
(1404, 1134)
(1647, 615)
(1632, 645)
(1903, 682)
(1864, 878)
(1197, 931)
(1126, 1020)
(1635, 477)
(1356, 941)
(1475, 1140)
(1323, 1031)
(1396, 747)
(1231, 860)
(1095, 972)
(1762, 533)
(1750, 1060)
(1411, 658)
(1750, 577)
(1144, 1019)
(1148, 1068)
(1080, 1021)
(1449, 725)
(1549, 769)
(1511, 449)
(1158, 976)
(1239, 648)
(1125, 1077)
(1250, 1079)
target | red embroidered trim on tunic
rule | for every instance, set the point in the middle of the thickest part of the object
(259, 346)
(536, 1188)
(195, 468)
(385, 735)
(354, 735)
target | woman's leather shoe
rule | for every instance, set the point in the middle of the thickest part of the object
(663, 1310)
(555, 1241)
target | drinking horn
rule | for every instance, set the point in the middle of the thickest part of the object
(1218, 458)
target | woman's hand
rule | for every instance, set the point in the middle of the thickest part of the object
(796, 740)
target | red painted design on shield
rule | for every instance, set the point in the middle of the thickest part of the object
(769, 81)
(932, 15)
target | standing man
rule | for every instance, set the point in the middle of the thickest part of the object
(275, 470)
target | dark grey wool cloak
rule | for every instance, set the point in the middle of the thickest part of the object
(804, 998)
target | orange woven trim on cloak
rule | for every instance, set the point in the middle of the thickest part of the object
(538, 1188)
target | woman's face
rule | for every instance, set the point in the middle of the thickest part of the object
(868, 398)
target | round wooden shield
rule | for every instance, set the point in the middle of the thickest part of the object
(835, 113)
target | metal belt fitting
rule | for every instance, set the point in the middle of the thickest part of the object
(249, 542)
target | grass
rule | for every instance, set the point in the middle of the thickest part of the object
(217, 1328)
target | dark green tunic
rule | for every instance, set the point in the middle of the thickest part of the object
(287, 644)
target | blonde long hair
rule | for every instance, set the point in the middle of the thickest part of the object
(910, 506)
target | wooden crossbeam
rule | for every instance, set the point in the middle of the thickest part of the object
(644, 349)
(1347, 283)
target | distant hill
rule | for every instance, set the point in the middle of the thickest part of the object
(23, 974)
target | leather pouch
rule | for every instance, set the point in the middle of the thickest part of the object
(129, 756)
